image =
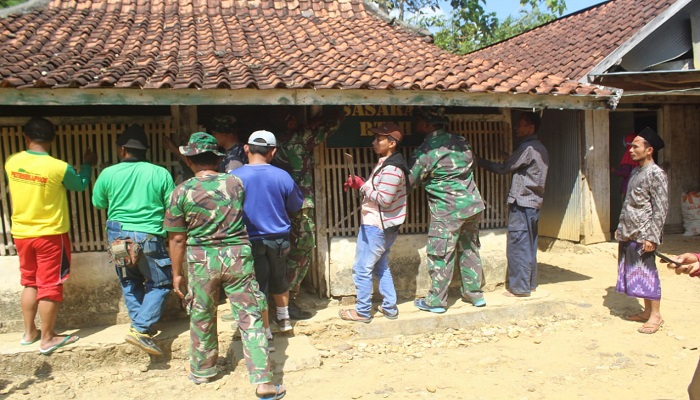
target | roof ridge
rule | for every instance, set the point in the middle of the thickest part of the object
(263, 8)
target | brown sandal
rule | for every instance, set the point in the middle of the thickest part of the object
(351, 315)
(650, 329)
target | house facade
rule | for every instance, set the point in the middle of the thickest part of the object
(93, 67)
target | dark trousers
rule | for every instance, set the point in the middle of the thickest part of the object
(522, 249)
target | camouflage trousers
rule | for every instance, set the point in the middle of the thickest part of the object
(229, 267)
(303, 241)
(450, 241)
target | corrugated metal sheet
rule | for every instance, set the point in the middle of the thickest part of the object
(561, 212)
(670, 41)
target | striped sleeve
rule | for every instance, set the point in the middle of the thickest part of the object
(386, 184)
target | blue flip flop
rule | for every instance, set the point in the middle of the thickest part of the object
(66, 341)
(36, 339)
(421, 305)
(277, 395)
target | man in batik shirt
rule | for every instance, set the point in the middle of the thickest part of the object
(641, 230)
(444, 164)
(295, 154)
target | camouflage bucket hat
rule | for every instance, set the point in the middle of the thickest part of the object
(199, 143)
(224, 124)
(432, 115)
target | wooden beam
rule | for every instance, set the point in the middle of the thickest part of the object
(695, 34)
(648, 98)
(91, 97)
(596, 183)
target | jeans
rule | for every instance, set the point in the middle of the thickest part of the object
(145, 286)
(372, 258)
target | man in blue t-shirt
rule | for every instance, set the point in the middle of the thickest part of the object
(270, 197)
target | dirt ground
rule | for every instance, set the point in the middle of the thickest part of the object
(588, 352)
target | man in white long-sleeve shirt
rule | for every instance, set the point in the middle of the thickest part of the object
(383, 212)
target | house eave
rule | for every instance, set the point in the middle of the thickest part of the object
(167, 97)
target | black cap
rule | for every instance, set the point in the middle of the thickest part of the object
(133, 137)
(652, 138)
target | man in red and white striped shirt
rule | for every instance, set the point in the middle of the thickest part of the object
(383, 212)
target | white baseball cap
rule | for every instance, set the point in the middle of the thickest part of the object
(263, 138)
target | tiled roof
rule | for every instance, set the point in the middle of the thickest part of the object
(571, 46)
(234, 44)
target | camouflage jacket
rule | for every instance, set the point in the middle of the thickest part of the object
(444, 165)
(210, 209)
(296, 156)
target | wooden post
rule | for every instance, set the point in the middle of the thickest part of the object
(595, 188)
(322, 275)
(680, 129)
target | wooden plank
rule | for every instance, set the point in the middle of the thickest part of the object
(193, 97)
(321, 184)
(596, 190)
(4, 192)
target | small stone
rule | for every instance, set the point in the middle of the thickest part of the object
(357, 396)
(652, 363)
(531, 389)
(537, 341)
(513, 334)
(143, 368)
(431, 389)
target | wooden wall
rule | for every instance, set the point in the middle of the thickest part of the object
(680, 128)
(338, 212)
(73, 136)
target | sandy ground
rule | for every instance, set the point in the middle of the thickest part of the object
(588, 352)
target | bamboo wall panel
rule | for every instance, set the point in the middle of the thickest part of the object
(73, 137)
(490, 137)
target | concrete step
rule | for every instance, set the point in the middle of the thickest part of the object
(105, 346)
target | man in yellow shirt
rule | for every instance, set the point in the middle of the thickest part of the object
(40, 224)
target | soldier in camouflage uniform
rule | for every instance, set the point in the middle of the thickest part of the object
(443, 164)
(295, 154)
(205, 225)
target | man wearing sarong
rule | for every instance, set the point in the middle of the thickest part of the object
(641, 230)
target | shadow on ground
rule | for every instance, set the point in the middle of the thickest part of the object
(547, 273)
(620, 304)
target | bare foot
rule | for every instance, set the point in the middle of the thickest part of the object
(638, 317)
(508, 293)
(268, 390)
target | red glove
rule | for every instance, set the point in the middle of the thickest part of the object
(354, 182)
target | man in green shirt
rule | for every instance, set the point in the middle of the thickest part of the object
(135, 193)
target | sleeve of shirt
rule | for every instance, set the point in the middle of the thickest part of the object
(168, 187)
(420, 168)
(295, 199)
(659, 207)
(516, 160)
(322, 133)
(99, 193)
(389, 182)
(174, 220)
(77, 181)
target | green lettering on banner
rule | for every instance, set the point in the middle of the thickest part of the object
(355, 129)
